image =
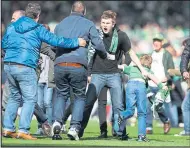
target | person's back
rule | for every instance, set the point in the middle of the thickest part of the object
(17, 45)
(76, 25)
(26, 48)
(71, 68)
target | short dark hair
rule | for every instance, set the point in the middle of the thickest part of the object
(78, 6)
(33, 10)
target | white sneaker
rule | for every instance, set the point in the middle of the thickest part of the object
(72, 134)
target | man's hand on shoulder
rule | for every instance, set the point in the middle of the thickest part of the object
(110, 56)
(82, 42)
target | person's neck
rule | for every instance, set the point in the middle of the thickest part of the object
(160, 50)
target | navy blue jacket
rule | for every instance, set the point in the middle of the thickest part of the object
(23, 38)
(76, 25)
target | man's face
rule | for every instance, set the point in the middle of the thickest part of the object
(107, 25)
(157, 45)
(15, 16)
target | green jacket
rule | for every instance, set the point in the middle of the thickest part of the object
(167, 62)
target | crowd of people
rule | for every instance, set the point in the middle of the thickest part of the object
(57, 74)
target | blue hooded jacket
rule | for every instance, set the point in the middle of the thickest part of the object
(22, 41)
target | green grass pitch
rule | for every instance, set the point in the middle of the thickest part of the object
(90, 138)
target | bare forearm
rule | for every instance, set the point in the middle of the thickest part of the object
(153, 78)
(135, 59)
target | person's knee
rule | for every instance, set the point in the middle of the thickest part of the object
(48, 104)
(141, 114)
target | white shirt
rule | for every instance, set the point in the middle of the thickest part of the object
(45, 69)
(157, 67)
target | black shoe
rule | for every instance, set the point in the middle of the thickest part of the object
(56, 137)
(123, 137)
(103, 135)
(81, 132)
(142, 138)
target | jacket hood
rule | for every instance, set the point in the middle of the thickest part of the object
(25, 24)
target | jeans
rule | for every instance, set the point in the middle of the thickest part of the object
(172, 113)
(98, 81)
(38, 112)
(66, 77)
(6, 93)
(22, 82)
(136, 96)
(186, 112)
(161, 113)
(5, 97)
(45, 96)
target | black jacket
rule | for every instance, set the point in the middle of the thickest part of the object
(97, 65)
(185, 59)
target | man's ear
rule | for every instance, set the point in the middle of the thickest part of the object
(37, 18)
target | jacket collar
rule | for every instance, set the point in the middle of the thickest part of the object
(77, 14)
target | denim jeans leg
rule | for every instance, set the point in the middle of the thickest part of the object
(130, 97)
(94, 88)
(78, 82)
(130, 100)
(141, 107)
(149, 115)
(114, 82)
(59, 104)
(171, 112)
(62, 93)
(14, 100)
(48, 94)
(41, 95)
(186, 112)
(28, 85)
(5, 94)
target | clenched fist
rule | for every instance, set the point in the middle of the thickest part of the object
(82, 42)
(186, 75)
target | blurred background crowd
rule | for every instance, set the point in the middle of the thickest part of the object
(139, 19)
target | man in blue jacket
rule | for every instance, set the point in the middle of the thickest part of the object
(21, 43)
(71, 68)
